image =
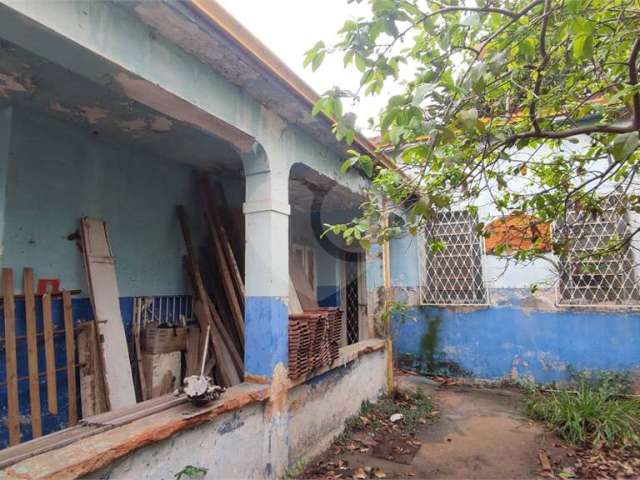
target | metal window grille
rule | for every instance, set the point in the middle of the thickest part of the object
(352, 299)
(454, 275)
(591, 279)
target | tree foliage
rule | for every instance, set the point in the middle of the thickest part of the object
(530, 106)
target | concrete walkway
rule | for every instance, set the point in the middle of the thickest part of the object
(479, 434)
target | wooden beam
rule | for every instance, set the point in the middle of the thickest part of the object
(49, 354)
(70, 348)
(32, 354)
(137, 327)
(221, 259)
(13, 406)
(224, 237)
(203, 314)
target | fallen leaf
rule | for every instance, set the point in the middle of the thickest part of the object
(359, 474)
(379, 473)
(364, 439)
(351, 446)
(544, 461)
(411, 474)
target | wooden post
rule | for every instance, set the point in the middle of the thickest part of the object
(32, 353)
(70, 347)
(13, 406)
(386, 270)
(49, 353)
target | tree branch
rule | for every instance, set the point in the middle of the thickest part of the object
(633, 80)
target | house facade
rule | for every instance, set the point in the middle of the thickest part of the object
(109, 111)
(472, 312)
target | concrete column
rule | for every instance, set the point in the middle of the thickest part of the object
(5, 142)
(266, 266)
(267, 211)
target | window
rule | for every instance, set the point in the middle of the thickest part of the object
(588, 279)
(453, 274)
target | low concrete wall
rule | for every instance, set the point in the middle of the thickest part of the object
(519, 336)
(229, 447)
(237, 445)
(318, 409)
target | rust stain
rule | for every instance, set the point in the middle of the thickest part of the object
(278, 395)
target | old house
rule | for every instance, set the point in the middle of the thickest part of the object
(113, 114)
(474, 312)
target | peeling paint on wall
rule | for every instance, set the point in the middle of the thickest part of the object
(9, 83)
(134, 125)
(93, 114)
(161, 124)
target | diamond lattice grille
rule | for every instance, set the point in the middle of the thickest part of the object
(454, 275)
(353, 330)
(589, 279)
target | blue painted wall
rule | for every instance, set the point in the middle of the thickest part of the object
(266, 326)
(519, 335)
(511, 340)
(53, 183)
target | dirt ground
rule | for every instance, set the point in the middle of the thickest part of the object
(478, 433)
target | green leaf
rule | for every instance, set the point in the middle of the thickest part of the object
(360, 62)
(582, 46)
(469, 118)
(347, 164)
(624, 145)
(421, 92)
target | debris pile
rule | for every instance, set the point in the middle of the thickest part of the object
(384, 430)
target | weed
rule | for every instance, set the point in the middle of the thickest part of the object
(589, 411)
(297, 469)
(191, 472)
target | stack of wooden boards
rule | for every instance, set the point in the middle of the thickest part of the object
(219, 289)
(35, 340)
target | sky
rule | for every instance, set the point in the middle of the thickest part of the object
(291, 27)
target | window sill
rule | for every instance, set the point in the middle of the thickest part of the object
(100, 440)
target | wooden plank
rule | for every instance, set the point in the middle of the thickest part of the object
(105, 298)
(137, 326)
(306, 295)
(50, 357)
(32, 354)
(164, 339)
(234, 222)
(221, 259)
(192, 354)
(224, 237)
(294, 302)
(70, 348)
(13, 407)
(220, 330)
(92, 395)
(203, 314)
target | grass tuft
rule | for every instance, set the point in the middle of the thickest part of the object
(590, 411)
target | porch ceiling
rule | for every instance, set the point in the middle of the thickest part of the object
(31, 82)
